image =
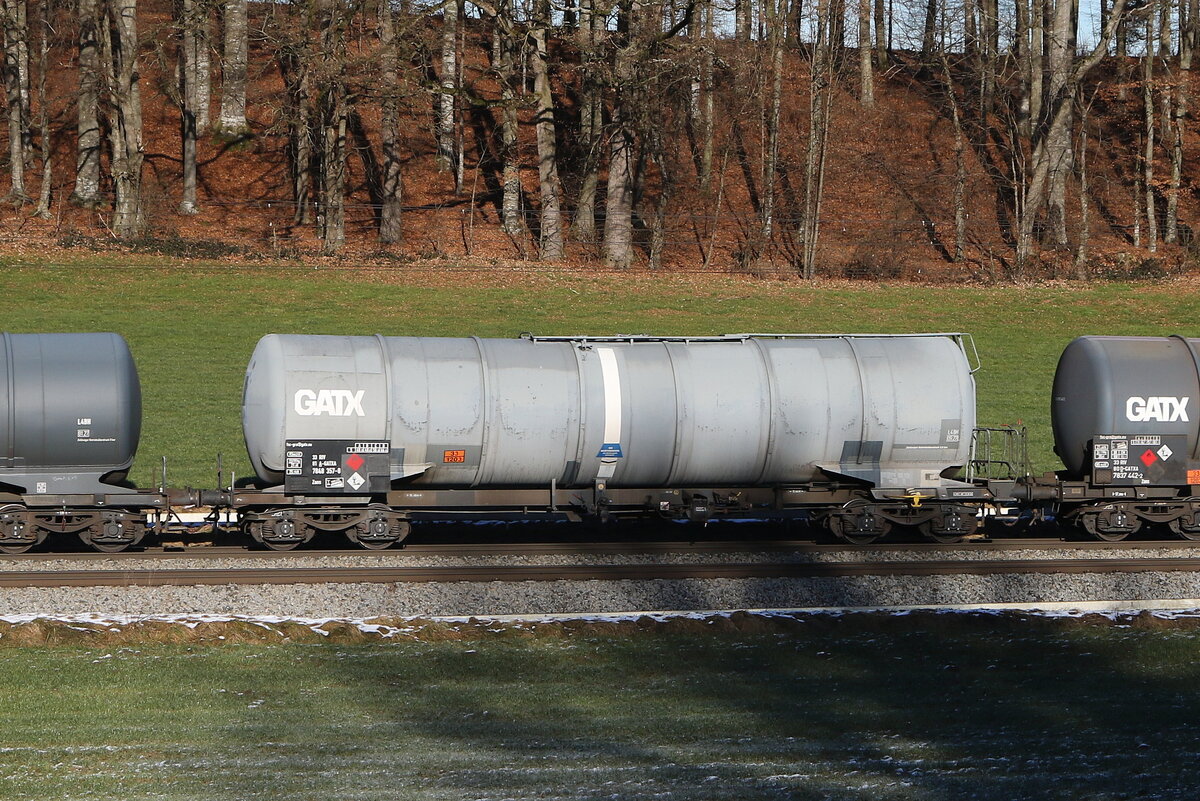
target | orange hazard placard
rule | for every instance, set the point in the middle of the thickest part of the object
(454, 457)
(1194, 476)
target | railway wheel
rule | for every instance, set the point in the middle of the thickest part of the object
(1110, 525)
(858, 524)
(17, 535)
(283, 535)
(930, 532)
(379, 532)
(277, 534)
(952, 526)
(1186, 527)
(112, 536)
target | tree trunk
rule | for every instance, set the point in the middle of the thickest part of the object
(881, 42)
(1164, 30)
(618, 206)
(771, 156)
(1037, 50)
(1148, 153)
(1081, 252)
(1024, 67)
(294, 67)
(707, 127)
(929, 32)
(87, 149)
(187, 114)
(16, 87)
(551, 189)
(589, 123)
(1058, 139)
(866, 90)
(1193, 32)
(743, 13)
(821, 90)
(960, 186)
(233, 71)
(332, 221)
(512, 219)
(444, 126)
(1171, 236)
(196, 41)
(119, 42)
(392, 186)
(43, 25)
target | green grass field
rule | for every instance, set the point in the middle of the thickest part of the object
(192, 329)
(864, 708)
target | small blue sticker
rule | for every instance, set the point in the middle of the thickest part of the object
(610, 450)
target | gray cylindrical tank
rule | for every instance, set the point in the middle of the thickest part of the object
(70, 411)
(636, 411)
(1124, 385)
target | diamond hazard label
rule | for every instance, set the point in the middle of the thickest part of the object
(1164, 453)
(356, 481)
(354, 462)
(1149, 457)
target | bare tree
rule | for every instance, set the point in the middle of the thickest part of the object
(186, 74)
(87, 158)
(775, 42)
(447, 157)
(392, 186)
(1148, 134)
(589, 36)
(47, 152)
(1043, 154)
(333, 109)
(16, 88)
(552, 245)
(506, 45)
(1059, 150)
(292, 44)
(119, 59)
(823, 75)
(197, 35)
(232, 122)
(866, 72)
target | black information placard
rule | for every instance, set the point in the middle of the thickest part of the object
(337, 467)
(1133, 460)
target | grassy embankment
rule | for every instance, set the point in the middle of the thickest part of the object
(192, 330)
(863, 708)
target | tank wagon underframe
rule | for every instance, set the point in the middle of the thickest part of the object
(105, 522)
(855, 513)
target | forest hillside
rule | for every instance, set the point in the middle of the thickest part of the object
(979, 141)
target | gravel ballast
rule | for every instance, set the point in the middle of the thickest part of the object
(1019, 590)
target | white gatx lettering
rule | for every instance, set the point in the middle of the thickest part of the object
(1156, 409)
(333, 402)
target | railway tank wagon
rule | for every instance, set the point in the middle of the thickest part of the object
(1125, 415)
(70, 421)
(363, 434)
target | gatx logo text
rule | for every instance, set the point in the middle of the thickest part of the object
(333, 402)
(1157, 410)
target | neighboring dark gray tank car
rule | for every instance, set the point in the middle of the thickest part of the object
(70, 419)
(1124, 414)
(682, 426)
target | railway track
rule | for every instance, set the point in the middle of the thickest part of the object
(559, 548)
(606, 572)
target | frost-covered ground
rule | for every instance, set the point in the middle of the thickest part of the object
(733, 706)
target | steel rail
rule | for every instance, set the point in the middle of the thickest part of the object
(542, 573)
(497, 549)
